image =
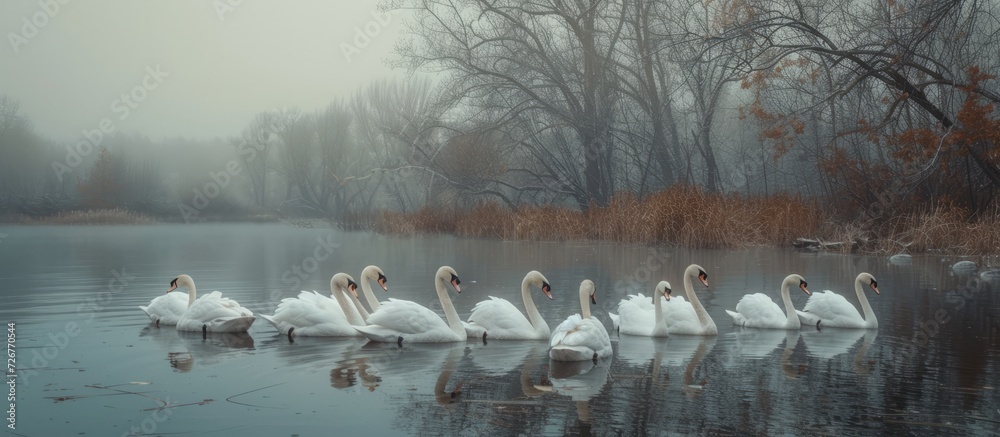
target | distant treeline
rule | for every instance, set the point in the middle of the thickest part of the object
(877, 114)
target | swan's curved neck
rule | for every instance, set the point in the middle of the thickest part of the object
(345, 304)
(192, 293)
(584, 304)
(450, 314)
(793, 317)
(534, 317)
(361, 308)
(369, 295)
(870, 319)
(657, 314)
(704, 319)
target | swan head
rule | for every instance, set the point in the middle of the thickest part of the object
(449, 274)
(373, 272)
(793, 278)
(179, 281)
(698, 272)
(664, 288)
(535, 278)
(867, 277)
(587, 288)
(344, 282)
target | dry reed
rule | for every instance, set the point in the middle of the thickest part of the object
(689, 217)
(683, 216)
(115, 216)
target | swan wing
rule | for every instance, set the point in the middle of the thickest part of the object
(833, 309)
(759, 311)
(311, 314)
(636, 315)
(167, 308)
(680, 317)
(218, 313)
(501, 319)
(406, 317)
(581, 335)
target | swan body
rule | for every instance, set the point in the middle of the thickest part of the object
(640, 315)
(581, 337)
(499, 319)
(829, 309)
(314, 315)
(211, 312)
(689, 317)
(400, 320)
(759, 311)
(166, 309)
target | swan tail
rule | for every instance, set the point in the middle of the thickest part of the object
(738, 318)
(807, 318)
(474, 330)
(270, 319)
(236, 324)
(571, 353)
(614, 320)
(378, 333)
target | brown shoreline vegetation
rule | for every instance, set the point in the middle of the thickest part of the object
(112, 216)
(689, 217)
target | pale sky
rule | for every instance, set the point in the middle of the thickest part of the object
(219, 64)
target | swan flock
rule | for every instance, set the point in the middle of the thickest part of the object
(580, 337)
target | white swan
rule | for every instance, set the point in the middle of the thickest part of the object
(637, 315)
(211, 312)
(314, 315)
(400, 320)
(689, 317)
(372, 273)
(581, 338)
(829, 309)
(499, 319)
(759, 311)
(166, 309)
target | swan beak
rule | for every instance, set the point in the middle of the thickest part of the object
(704, 278)
(173, 286)
(381, 282)
(454, 283)
(593, 299)
(353, 287)
(547, 289)
(874, 286)
(802, 285)
(666, 294)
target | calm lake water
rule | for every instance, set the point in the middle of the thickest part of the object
(90, 364)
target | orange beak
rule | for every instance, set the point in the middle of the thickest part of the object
(547, 289)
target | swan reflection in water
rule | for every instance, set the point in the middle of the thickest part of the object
(184, 348)
(674, 351)
(830, 342)
(376, 365)
(581, 381)
(755, 344)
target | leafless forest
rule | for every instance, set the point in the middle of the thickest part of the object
(864, 111)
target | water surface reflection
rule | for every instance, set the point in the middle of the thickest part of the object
(931, 367)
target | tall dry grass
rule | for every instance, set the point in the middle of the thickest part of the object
(684, 216)
(944, 230)
(690, 217)
(115, 216)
